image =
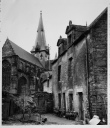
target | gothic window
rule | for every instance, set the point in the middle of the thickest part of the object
(27, 68)
(6, 74)
(32, 85)
(22, 85)
(21, 65)
(14, 70)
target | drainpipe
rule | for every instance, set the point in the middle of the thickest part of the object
(87, 69)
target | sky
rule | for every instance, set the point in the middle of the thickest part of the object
(20, 19)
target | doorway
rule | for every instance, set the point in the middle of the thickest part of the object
(64, 101)
(71, 101)
(80, 105)
(59, 100)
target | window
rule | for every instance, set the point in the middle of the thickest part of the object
(70, 67)
(6, 73)
(69, 40)
(41, 56)
(59, 72)
(21, 65)
(59, 50)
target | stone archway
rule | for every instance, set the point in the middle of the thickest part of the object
(22, 85)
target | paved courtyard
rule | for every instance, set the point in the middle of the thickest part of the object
(36, 120)
(53, 119)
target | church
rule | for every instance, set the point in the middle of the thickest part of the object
(21, 73)
(74, 82)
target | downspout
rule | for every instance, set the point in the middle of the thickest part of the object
(87, 76)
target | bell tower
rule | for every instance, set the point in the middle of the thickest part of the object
(40, 49)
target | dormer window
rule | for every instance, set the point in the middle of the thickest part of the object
(59, 50)
(41, 56)
(69, 40)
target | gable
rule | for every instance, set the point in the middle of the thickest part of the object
(10, 49)
(7, 49)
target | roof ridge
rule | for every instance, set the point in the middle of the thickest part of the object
(25, 54)
(11, 45)
(96, 19)
(19, 47)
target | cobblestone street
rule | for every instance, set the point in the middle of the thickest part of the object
(53, 119)
(36, 120)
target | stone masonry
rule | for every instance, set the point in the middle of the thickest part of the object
(80, 71)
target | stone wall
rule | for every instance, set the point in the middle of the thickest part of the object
(98, 67)
(79, 78)
(83, 77)
(19, 68)
(54, 84)
(47, 86)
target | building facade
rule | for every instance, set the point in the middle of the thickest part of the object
(20, 74)
(22, 71)
(80, 72)
(19, 69)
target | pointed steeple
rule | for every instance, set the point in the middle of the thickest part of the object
(40, 42)
(40, 49)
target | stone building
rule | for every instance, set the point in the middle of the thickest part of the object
(41, 51)
(79, 74)
(21, 73)
(47, 82)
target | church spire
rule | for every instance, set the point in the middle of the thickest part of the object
(40, 42)
(40, 49)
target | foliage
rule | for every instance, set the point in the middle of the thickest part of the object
(25, 102)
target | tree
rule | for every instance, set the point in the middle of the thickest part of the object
(25, 102)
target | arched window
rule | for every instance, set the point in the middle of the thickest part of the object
(22, 85)
(6, 74)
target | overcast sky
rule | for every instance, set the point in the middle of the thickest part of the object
(20, 19)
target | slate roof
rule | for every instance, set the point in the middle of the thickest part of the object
(46, 75)
(76, 27)
(24, 54)
(40, 41)
(98, 17)
(90, 27)
(62, 40)
(83, 28)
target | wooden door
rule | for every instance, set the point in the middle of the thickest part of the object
(80, 105)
